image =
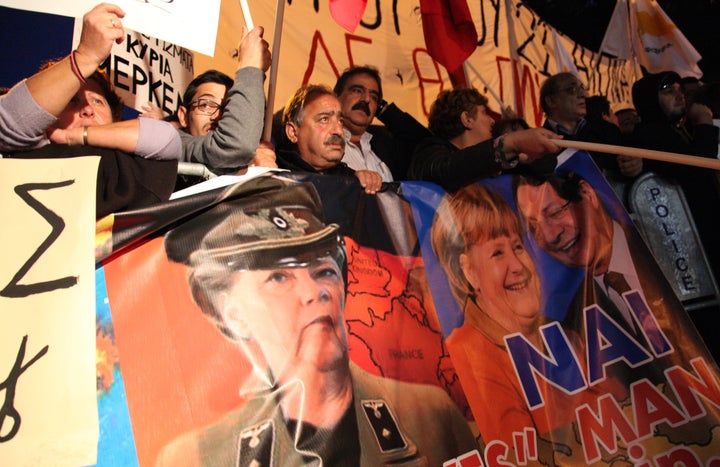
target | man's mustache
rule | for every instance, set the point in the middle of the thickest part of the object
(362, 105)
(335, 139)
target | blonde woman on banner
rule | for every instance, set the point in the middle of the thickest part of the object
(477, 239)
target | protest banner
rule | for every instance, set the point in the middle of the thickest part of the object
(516, 51)
(147, 70)
(588, 385)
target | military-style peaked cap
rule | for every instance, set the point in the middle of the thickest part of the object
(265, 223)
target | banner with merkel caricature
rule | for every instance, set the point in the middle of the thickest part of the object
(295, 320)
(567, 339)
(281, 321)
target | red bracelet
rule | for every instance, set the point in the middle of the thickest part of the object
(75, 68)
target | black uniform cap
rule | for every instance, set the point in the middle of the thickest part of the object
(265, 223)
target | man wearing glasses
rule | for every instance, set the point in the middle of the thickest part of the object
(221, 121)
(562, 98)
(568, 220)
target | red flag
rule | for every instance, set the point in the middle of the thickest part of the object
(450, 34)
(347, 13)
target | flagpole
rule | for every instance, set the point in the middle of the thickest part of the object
(512, 41)
(673, 157)
(487, 86)
(631, 28)
(246, 14)
(272, 81)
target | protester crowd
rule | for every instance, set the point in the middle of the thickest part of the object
(69, 108)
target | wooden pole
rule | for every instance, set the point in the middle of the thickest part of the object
(697, 161)
(272, 81)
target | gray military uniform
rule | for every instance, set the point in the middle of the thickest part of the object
(398, 423)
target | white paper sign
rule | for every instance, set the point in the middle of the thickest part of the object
(48, 405)
(187, 23)
(145, 69)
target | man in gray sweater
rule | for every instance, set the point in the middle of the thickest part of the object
(221, 121)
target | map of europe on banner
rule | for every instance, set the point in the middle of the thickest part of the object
(470, 338)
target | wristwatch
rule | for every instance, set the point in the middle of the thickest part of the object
(501, 157)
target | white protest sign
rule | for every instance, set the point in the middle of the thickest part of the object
(187, 23)
(145, 69)
(48, 413)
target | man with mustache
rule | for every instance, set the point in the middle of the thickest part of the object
(386, 149)
(313, 122)
(221, 122)
(270, 274)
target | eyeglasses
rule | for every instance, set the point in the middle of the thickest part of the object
(665, 85)
(554, 215)
(206, 106)
(574, 89)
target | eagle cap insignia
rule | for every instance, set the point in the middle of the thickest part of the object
(273, 223)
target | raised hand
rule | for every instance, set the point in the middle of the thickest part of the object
(254, 50)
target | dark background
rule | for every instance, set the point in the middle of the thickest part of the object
(585, 21)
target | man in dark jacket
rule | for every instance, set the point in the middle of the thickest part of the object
(563, 98)
(313, 122)
(388, 148)
(666, 125)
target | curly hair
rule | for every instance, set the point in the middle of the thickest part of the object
(444, 119)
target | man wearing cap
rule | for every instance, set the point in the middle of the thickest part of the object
(271, 275)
